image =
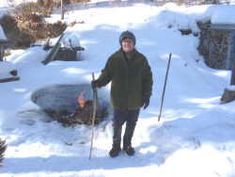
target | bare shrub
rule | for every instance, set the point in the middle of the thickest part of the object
(17, 37)
(55, 29)
(47, 6)
(22, 31)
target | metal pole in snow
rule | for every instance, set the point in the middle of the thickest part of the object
(164, 87)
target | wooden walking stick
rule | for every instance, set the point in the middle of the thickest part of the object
(93, 115)
(164, 87)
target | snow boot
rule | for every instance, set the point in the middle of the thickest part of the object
(114, 151)
(129, 150)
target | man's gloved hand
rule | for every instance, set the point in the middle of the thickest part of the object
(146, 100)
(94, 84)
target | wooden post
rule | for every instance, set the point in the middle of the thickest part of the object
(1, 52)
(232, 57)
(232, 82)
(93, 115)
(62, 9)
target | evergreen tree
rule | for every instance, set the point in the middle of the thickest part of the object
(3, 147)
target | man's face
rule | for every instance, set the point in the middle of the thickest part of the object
(127, 45)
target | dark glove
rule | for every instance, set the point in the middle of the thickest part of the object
(94, 84)
(146, 100)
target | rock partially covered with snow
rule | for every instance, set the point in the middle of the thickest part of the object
(7, 70)
(228, 95)
(60, 97)
(61, 103)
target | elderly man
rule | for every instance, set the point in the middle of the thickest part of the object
(131, 87)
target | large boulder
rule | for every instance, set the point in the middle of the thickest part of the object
(61, 103)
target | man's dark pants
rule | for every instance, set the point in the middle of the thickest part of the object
(120, 117)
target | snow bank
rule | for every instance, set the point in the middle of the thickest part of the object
(5, 69)
(224, 15)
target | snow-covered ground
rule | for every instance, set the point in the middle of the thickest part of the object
(195, 136)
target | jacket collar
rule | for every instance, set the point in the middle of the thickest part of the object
(129, 55)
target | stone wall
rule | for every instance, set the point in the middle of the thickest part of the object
(214, 46)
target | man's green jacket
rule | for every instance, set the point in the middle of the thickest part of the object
(131, 79)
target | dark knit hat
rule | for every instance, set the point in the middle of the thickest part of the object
(127, 34)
